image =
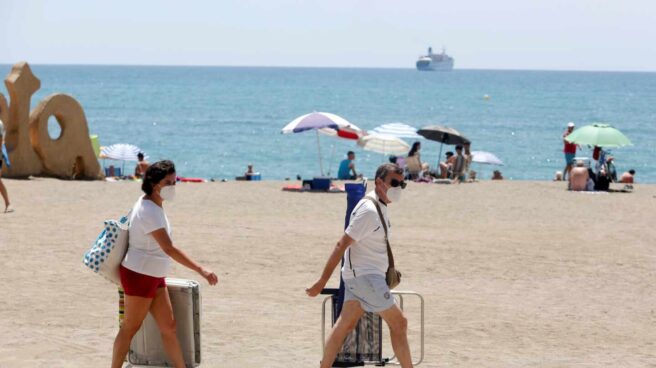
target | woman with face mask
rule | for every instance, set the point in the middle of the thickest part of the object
(147, 262)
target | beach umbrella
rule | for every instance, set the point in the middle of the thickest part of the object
(121, 151)
(598, 134)
(385, 144)
(444, 135)
(316, 121)
(399, 130)
(483, 157)
(344, 130)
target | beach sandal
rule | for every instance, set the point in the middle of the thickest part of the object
(9, 209)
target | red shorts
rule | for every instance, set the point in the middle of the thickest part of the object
(138, 284)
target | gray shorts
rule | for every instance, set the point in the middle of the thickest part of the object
(371, 291)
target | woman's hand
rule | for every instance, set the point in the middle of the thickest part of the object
(315, 289)
(210, 276)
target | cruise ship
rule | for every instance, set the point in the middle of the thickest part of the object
(442, 62)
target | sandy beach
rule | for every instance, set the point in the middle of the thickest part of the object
(514, 274)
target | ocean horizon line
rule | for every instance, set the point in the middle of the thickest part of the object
(282, 67)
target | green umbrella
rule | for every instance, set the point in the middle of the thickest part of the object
(598, 134)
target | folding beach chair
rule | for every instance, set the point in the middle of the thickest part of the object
(364, 345)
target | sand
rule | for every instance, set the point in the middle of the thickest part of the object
(514, 274)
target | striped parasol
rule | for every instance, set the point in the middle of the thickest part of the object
(121, 151)
(385, 144)
(399, 130)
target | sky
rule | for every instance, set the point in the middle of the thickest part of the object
(479, 34)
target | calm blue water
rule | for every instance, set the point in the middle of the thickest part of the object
(212, 121)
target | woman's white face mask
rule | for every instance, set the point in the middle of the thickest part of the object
(168, 193)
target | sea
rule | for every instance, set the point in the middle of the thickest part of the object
(214, 121)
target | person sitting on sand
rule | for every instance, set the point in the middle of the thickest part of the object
(249, 170)
(578, 177)
(147, 262)
(446, 166)
(472, 176)
(3, 189)
(347, 167)
(610, 169)
(141, 167)
(558, 176)
(628, 177)
(496, 175)
(414, 151)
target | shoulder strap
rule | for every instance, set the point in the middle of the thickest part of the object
(390, 256)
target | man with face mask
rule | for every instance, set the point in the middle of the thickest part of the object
(364, 250)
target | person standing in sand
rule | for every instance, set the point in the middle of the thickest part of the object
(3, 189)
(142, 165)
(147, 262)
(459, 166)
(569, 149)
(364, 249)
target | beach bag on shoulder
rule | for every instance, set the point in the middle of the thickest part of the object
(393, 276)
(107, 252)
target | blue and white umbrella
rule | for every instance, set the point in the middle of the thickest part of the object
(317, 121)
(121, 152)
(399, 130)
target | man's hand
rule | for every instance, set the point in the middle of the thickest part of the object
(315, 289)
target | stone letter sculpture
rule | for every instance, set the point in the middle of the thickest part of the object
(30, 148)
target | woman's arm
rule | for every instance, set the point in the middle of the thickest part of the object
(164, 241)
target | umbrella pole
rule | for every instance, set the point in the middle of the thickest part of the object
(319, 152)
(439, 156)
(332, 156)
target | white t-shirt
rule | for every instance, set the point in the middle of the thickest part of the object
(368, 255)
(144, 254)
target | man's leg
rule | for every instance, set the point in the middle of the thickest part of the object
(351, 313)
(398, 326)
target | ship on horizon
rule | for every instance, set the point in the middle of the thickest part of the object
(430, 62)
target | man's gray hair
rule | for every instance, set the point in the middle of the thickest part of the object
(385, 169)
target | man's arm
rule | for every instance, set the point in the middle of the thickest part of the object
(352, 166)
(333, 261)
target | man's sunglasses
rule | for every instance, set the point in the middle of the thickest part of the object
(395, 183)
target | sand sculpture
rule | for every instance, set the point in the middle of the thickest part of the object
(30, 148)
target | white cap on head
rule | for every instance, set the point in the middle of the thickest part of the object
(571, 125)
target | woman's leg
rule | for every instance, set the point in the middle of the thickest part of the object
(162, 311)
(136, 308)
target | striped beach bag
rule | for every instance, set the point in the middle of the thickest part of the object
(107, 252)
